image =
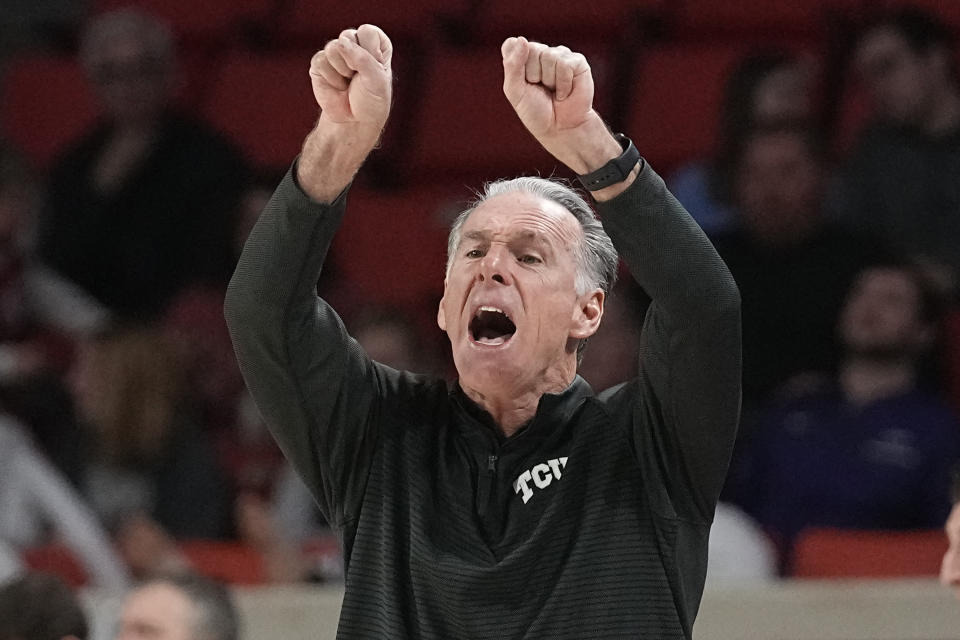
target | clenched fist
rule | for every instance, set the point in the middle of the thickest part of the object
(352, 83)
(352, 78)
(550, 88)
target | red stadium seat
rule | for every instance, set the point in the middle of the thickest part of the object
(265, 104)
(314, 21)
(391, 248)
(228, 562)
(211, 20)
(46, 103)
(675, 103)
(465, 127)
(552, 20)
(840, 553)
(790, 18)
(58, 560)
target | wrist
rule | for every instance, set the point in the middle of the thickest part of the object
(617, 174)
(585, 148)
(331, 156)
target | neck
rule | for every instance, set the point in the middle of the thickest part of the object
(511, 410)
(945, 112)
(865, 380)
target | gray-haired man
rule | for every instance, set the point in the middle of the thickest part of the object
(516, 504)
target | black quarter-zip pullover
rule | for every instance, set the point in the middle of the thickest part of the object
(590, 522)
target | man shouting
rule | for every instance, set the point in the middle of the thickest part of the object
(516, 504)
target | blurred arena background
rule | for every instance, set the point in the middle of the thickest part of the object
(135, 153)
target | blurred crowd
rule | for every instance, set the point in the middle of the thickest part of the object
(127, 437)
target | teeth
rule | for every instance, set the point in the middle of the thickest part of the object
(493, 309)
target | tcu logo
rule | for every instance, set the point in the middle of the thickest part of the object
(541, 475)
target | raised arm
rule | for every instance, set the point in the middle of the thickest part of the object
(316, 389)
(688, 400)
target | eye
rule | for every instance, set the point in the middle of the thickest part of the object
(474, 253)
(529, 259)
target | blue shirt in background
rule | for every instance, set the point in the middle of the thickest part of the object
(818, 461)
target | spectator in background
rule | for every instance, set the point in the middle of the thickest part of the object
(179, 608)
(40, 607)
(871, 449)
(41, 314)
(614, 348)
(766, 88)
(194, 319)
(38, 505)
(140, 207)
(391, 337)
(152, 475)
(38, 310)
(950, 568)
(901, 180)
(793, 267)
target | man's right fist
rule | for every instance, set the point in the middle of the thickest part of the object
(352, 80)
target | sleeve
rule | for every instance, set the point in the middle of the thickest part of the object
(73, 522)
(314, 386)
(688, 404)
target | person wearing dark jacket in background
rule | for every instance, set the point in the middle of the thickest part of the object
(141, 206)
(792, 264)
(900, 181)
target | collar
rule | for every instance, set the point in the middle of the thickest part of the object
(553, 409)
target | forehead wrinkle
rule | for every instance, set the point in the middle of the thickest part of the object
(539, 224)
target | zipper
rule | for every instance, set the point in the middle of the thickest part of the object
(485, 484)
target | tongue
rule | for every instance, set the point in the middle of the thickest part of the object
(489, 333)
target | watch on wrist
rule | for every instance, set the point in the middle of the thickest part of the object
(614, 171)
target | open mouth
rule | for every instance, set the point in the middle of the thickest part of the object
(491, 326)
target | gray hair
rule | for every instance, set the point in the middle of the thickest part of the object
(215, 616)
(597, 259)
(153, 33)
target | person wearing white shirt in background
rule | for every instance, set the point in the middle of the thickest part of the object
(34, 496)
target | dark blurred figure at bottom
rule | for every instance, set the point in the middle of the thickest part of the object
(37, 606)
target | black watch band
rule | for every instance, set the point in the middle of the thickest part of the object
(614, 171)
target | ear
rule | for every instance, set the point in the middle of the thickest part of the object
(441, 318)
(586, 317)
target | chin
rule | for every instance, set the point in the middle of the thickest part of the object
(488, 371)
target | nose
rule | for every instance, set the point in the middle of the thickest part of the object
(494, 265)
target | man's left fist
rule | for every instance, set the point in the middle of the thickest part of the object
(550, 88)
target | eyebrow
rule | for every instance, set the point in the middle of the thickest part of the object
(529, 236)
(476, 235)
